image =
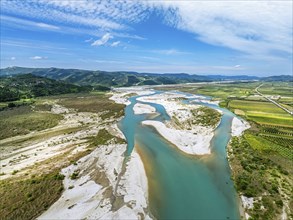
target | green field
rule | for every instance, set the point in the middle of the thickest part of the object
(277, 88)
(255, 106)
(262, 112)
(218, 90)
(227, 90)
(263, 144)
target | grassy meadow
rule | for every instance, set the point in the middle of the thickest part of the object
(23, 120)
(93, 102)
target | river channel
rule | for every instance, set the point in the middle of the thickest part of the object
(183, 186)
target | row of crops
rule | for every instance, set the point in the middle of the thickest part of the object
(262, 144)
(283, 141)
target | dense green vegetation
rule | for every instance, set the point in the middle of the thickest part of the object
(28, 86)
(206, 116)
(22, 120)
(260, 174)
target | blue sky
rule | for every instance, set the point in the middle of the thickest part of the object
(196, 37)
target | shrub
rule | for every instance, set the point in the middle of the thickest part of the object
(74, 175)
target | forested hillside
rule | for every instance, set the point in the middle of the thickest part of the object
(27, 86)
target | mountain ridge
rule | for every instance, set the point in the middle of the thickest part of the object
(127, 78)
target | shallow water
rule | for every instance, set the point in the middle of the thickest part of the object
(183, 186)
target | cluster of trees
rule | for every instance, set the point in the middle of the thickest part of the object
(7, 94)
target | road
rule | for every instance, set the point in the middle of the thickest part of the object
(272, 101)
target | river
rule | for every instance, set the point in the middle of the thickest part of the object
(183, 186)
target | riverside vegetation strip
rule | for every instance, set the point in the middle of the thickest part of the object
(261, 159)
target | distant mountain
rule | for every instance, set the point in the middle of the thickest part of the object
(238, 77)
(15, 87)
(284, 78)
(14, 70)
(124, 78)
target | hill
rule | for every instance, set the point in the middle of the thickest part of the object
(25, 86)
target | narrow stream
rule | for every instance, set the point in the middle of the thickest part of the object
(183, 186)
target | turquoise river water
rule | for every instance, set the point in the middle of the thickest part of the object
(183, 186)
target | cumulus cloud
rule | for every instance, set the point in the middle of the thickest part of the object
(103, 40)
(12, 58)
(38, 58)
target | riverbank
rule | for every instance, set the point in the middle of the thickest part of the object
(105, 187)
(237, 129)
(239, 126)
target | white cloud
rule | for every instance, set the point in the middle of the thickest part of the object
(38, 58)
(115, 44)
(255, 28)
(12, 58)
(105, 15)
(103, 40)
(236, 66)
(24, 23)
(45, 46)
(252, 27)
(47, 26)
